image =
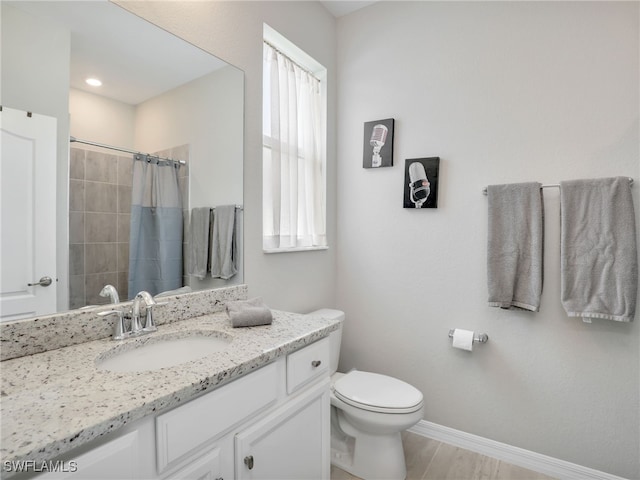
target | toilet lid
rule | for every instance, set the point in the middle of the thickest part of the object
(372, 391)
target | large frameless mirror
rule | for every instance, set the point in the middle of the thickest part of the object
(159, 96)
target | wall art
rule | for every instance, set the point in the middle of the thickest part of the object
(378, 144)
(421, 182)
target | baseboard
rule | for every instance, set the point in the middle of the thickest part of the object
(514, 455)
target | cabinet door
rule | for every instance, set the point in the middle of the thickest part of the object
(206, 467)
(116, 459)
(188, 427)
(291, 443)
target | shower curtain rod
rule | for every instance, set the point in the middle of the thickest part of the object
(133, 152)
(547, 185)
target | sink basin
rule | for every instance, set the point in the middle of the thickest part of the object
(161, 351)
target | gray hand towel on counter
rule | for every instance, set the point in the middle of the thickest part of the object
(249, 313)
(198, 248)
(599, 267)
(224, 255)
(514, 245)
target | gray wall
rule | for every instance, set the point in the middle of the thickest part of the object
(300, 281)
(502, 92)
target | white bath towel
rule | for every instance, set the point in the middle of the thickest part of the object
(599, 268)
(514, 245)
(224, 256)
(198, 248)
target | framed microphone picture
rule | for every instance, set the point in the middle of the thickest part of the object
(378, 144)
(421, 182)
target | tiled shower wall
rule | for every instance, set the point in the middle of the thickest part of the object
(99, 219)
(99, 216)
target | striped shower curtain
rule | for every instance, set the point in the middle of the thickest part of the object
(155, 246)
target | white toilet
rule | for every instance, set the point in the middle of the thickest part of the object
(368, 413)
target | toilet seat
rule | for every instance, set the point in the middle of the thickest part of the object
(377, 393)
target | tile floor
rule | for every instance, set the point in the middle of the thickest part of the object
(429, 459)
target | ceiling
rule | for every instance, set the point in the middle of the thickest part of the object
(339, 8)
(159, 61)
(134, 59)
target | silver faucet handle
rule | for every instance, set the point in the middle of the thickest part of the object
(118, 330)
(136, 326)
(150, 324)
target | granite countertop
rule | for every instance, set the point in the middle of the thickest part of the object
(54, 401)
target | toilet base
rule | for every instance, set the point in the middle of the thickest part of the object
(369, 456)
(366, 442)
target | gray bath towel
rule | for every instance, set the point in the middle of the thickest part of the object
(599, 267)
(249, 313)
(198, 248)
(223, 242)
(514, 245)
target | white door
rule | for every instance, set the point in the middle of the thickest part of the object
(27, 214)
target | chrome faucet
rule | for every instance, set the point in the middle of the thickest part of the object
(149, 324)
(135, 327)
(111, 292)
(119, 331)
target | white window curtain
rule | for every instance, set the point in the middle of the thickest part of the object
(293, 167)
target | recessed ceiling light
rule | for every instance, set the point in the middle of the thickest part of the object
(94, 82)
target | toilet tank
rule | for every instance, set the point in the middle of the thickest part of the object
(335, 337)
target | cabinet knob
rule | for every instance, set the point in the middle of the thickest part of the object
(316, 363)
(248, 461)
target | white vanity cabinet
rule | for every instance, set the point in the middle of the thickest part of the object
(188, 428)
(272, 423)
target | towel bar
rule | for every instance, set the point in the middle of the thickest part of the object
(547, 185)
(477, 338)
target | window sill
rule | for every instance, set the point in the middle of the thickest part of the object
(293, 249)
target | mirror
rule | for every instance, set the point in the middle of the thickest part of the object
(160, 95)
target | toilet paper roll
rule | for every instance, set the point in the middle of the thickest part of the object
(463, 339)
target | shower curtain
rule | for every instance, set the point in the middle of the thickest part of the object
(155, 247)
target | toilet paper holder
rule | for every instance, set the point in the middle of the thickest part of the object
(477, 338)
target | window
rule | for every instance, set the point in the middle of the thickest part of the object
(294, 133)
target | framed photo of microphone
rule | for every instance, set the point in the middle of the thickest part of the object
(421, 182)
(378, 144)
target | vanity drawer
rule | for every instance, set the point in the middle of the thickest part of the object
(181, 430)
(307, 364)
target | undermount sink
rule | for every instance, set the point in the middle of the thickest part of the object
(162, 351)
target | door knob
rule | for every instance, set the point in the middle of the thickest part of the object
(248, 461)
(44, 282)
(316, 363)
